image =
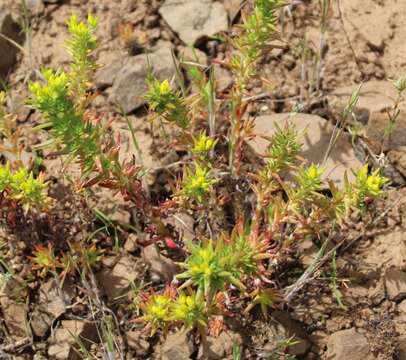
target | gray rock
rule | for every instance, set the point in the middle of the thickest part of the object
(348, 344)
(8, 51)
(194, 19)
(130, 244)
(36, 7)
(130, 86)
(111, 63)
(317, 134)
(233, 7)
(395, 284)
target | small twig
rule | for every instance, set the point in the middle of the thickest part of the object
(15, 346)
(169, 166)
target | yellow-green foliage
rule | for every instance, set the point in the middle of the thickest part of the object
(190, 310)
(22, 187)
(61, 99)
(203, 144)
(166, 102)
(81, 45)
(162, 309)
(257, 30)
(197, 183)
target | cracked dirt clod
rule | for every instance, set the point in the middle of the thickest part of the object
(395, 284)
(176, 346)
(348, 344)
(15, 317)
(194, 19)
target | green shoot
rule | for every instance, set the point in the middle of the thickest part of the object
(166, 102)
(196, 184)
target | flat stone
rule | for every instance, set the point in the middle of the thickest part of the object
(15, 317)
(40, 323)
(111, 63)
(395, 284)
(130, 83)
(348, 344)
(53, 300)
(194, 19)
(130, 244)
(161, 267)
(117, 281)
(220, 347)
(223, 77)
(315, 141)
(63, 345)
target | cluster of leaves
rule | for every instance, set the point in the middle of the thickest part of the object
(166, 102)
(211, 268)
(61, 99)
(79, 257)
(21, 186)
(160, 310)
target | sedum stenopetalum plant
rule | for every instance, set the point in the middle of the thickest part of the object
(62, 100)
(284, 210)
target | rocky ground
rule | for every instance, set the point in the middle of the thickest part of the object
(363, 42)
